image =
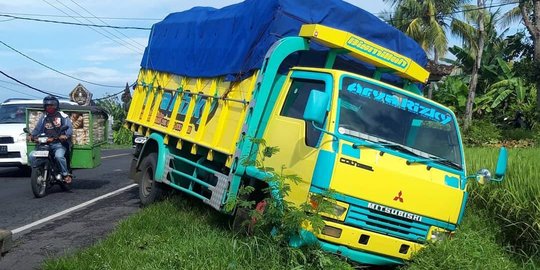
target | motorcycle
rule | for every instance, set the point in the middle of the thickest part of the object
(46, 171)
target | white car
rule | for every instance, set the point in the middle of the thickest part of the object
(12, 138)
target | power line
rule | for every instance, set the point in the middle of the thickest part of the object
(31, 87)
(117, 40)
(449, 13)
(93, 29)
(100, 17)
(22, 93)
(87, 11)
(78, 24)
(18, 84)
(55, 70)
(109, 96)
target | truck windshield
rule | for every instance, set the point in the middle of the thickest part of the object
(376, 113)
(12, 114)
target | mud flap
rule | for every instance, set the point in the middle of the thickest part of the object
(134, 173)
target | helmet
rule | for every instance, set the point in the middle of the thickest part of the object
(51, 100)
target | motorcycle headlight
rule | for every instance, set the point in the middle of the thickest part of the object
(42, 139)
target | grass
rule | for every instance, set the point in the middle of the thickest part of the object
(499, 231)
(515, 203)
(476, 245)
(182, 234)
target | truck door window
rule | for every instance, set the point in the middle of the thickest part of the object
(295, 104)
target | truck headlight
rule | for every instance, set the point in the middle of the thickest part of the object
(438, 234)
(336, 211)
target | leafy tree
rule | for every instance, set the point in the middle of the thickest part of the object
(481, 46)
(113, 107)
(528, 11)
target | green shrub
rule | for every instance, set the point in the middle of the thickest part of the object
(482, 132)
(518, 134)
(123, 136)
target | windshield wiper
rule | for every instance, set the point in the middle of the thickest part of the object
(435, 159)
(405, 149)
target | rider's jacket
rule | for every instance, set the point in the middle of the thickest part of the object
(52, 124)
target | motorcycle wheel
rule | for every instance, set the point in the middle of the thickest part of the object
(38, 180)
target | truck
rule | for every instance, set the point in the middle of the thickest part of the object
(335, 88)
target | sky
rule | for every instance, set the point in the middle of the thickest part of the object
(102, 59)
(99, 56)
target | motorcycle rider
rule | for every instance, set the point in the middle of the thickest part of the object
(51, 123)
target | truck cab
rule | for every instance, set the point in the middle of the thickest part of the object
(393, 158)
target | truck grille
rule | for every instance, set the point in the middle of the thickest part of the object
(380, 222)
(6, 139)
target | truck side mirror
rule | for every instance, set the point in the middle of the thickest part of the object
(484, 176)
(316, 107)
(500, 171)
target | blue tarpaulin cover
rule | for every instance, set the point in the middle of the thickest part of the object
(209, 42)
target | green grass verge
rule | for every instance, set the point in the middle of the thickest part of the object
(182, 234)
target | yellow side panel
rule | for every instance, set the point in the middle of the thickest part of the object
(206, 111)
(294, 156)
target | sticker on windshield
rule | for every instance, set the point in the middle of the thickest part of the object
(400, 102)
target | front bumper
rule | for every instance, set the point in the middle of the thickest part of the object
(16, 155)
(368, 247)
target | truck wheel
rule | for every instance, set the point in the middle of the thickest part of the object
(240, 221)
(149, 190)
(243, 222)
(38, 180)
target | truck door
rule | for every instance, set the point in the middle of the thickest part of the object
(298, 140)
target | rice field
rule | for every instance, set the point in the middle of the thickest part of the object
(514, 203)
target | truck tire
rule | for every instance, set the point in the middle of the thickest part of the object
(149, 190)
(239, 221)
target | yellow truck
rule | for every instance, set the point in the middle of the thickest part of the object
(392, 158)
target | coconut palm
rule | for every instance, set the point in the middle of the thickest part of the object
(426, 21)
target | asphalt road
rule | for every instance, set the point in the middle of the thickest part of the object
(70, 232)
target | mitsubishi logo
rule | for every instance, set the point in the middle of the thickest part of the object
(398, 197)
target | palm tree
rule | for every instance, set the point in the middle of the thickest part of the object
(528, 11)
(426, 21)
(475, 38)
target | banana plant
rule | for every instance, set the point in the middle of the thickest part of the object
(508, 89)
(452, 92)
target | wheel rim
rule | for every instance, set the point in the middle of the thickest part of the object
(41, 182)
(147, 182)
